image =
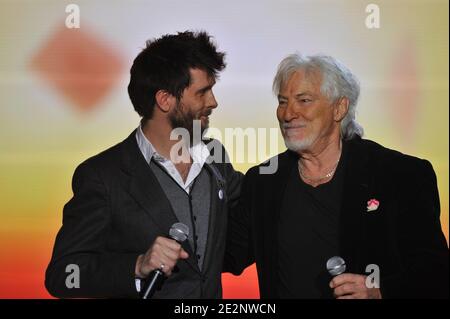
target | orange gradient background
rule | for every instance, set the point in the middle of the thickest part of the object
(63, 94)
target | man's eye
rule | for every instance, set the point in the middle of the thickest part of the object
(305, 100)
(281, 102)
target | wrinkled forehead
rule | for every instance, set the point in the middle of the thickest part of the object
(302, 78)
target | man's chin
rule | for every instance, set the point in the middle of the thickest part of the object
(204, 125)
(195, 139)
(205, 121)
(296, 145)
(203, 131)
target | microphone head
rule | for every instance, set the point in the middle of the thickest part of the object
(336, 266)
(179, 232)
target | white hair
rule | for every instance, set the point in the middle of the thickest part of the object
(337, 82)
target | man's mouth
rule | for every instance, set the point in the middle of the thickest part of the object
(288, 128)
(205, 116)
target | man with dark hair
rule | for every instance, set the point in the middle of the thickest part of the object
(127, 198)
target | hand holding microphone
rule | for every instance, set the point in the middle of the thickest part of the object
(161, 258)
(346, 285)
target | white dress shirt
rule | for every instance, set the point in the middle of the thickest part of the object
(199, 153)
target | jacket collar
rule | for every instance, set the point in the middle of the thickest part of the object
(144, 187)
(354, 201)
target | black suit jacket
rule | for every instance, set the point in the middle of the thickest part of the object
(403, 236)
(117, 210)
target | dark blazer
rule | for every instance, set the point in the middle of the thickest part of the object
(117, 210)
(403, 236)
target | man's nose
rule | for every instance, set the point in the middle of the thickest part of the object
(212, 102)
(289, 113)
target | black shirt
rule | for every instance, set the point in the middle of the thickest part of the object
(308, 235)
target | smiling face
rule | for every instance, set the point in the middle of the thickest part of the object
(196, 103)
(308, 119)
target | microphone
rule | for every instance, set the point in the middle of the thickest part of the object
(336, 266)
(178, 232)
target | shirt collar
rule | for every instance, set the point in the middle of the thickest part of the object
(199, 152)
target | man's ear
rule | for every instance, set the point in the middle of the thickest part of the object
(164, 100)
(341, 109)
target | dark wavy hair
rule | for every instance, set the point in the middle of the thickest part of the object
(164, 65)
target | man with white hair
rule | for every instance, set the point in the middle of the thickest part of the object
(336, 194)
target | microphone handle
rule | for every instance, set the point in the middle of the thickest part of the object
(153, 284)
(156, 279)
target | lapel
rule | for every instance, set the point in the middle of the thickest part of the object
(216, 204)
(215, 209)
(144, 187)
(354, 204)
(275, 191)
